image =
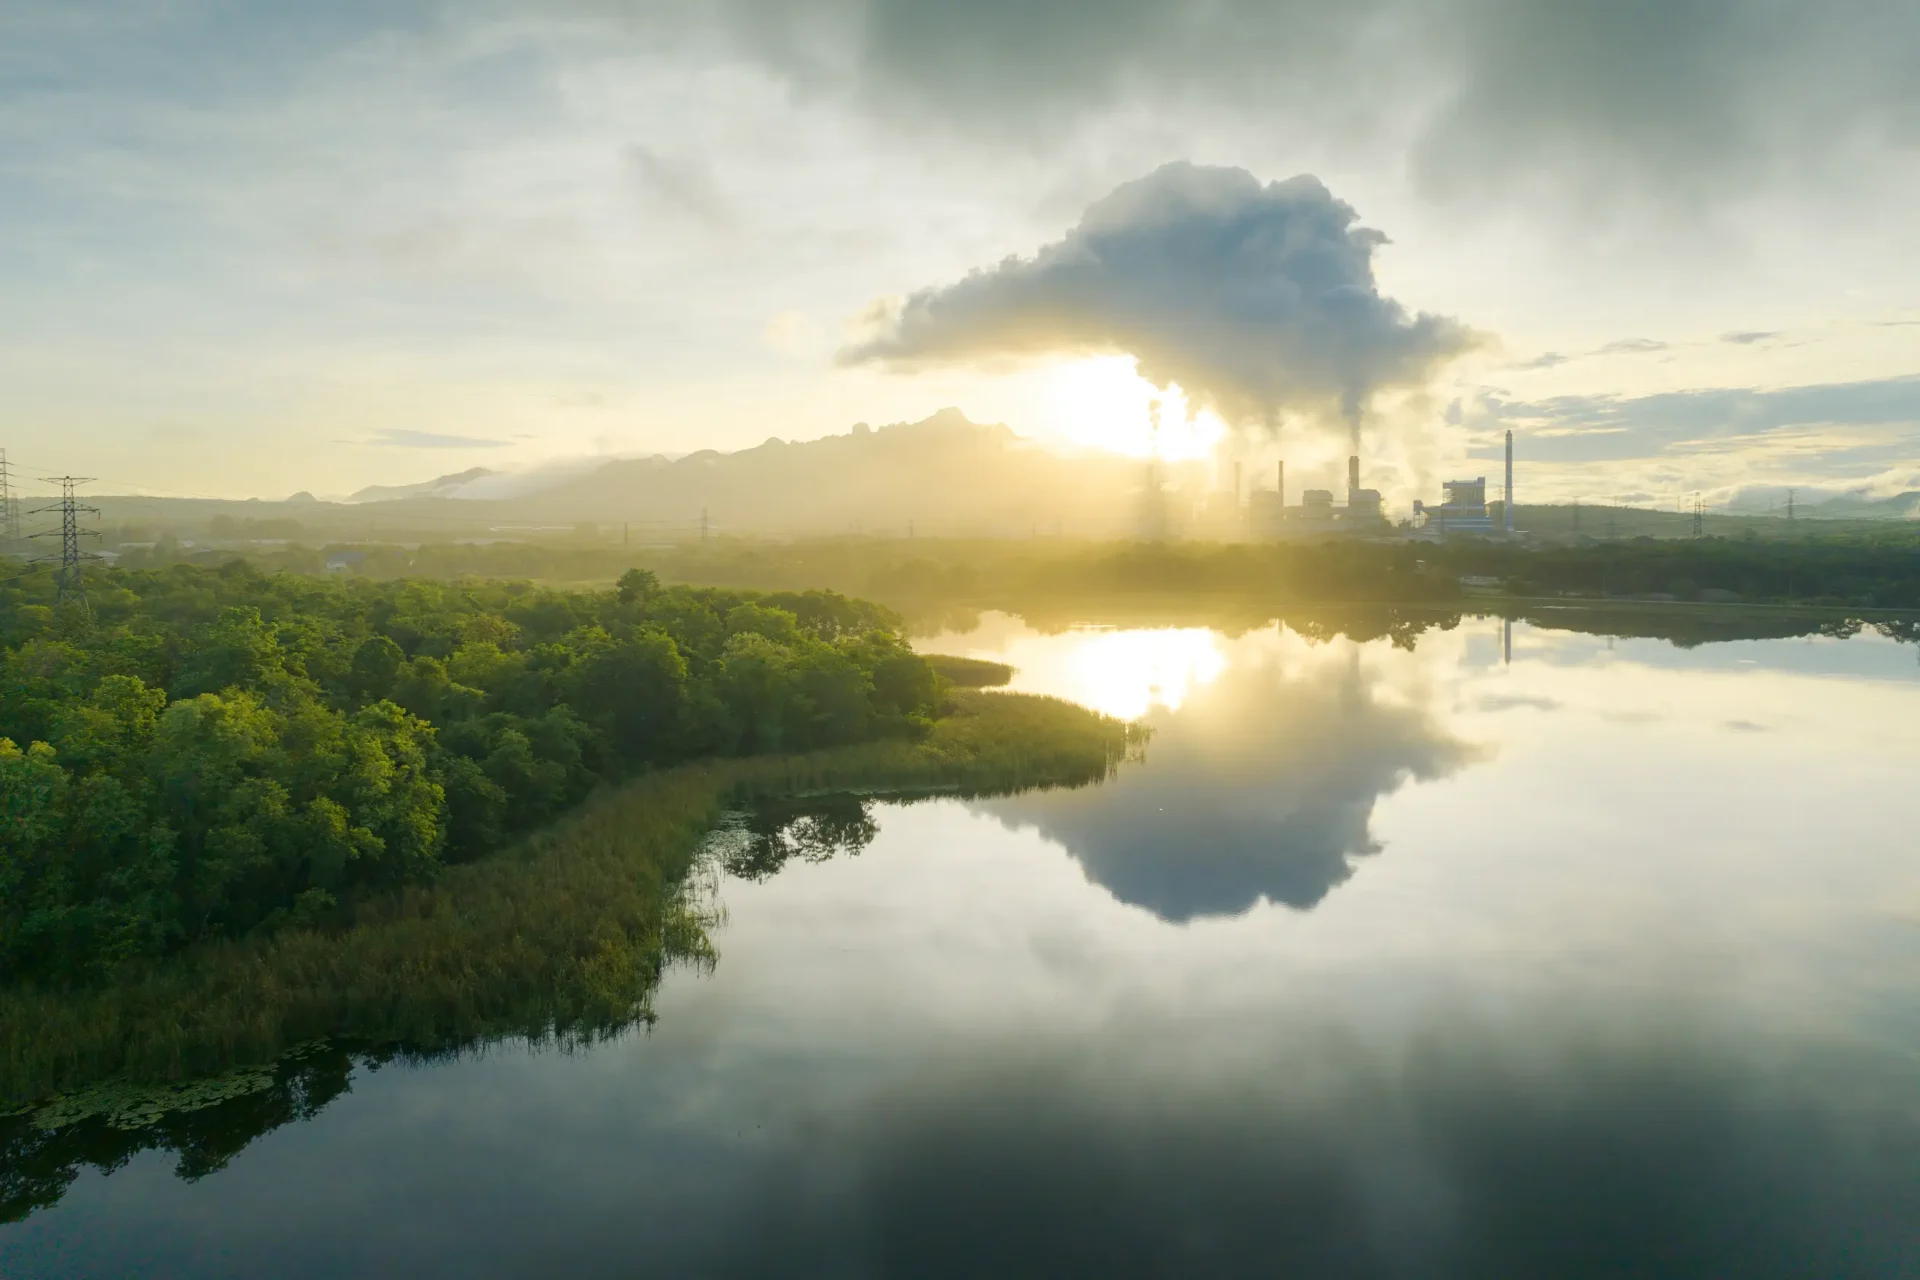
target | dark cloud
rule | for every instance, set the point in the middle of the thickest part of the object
(1747, 337)
(1262, 787)
(1603, 100)
(1255, 299)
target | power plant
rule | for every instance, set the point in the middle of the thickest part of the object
(1463, 510)
(1265, 512)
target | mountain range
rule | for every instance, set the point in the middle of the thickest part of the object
(942, 475)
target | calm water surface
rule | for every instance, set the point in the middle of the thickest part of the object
(1601, 959)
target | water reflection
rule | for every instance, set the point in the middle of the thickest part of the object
(754, 844)
(1663, 1160)
(1657, 1019)
(1261, 787)
(41, 1153)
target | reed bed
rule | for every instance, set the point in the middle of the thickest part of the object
(564, 935)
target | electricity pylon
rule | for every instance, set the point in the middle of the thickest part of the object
(70, 533)
(9, 505)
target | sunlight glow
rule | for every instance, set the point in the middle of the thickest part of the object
(1103, 403)
(1119, 673)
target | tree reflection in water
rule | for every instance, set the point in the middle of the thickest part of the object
(756, 844)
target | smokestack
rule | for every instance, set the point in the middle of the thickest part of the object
(1236, 484)
(1353, 475)
(1508, 504)
(1280, 484)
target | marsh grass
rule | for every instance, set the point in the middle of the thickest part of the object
(564, 936)
(968, 673)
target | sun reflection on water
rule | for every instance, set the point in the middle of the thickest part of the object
(1120, 673)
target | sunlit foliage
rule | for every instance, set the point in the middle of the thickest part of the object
(213, 751)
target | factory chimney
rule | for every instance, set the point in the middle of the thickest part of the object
(1280, 484)
(1236, 484)
(1353, 475)
(1508, 504)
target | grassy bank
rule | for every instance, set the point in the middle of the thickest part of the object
(564, 934)
(969, 673)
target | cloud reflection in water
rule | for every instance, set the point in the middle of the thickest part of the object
(1261, 784)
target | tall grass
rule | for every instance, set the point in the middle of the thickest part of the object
(969, 673)
(564, 935)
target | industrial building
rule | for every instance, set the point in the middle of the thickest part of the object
(1363, 513)
(1464, 509)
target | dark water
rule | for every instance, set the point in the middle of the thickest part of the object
(1604, 961)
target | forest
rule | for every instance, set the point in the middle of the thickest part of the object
(216, 752)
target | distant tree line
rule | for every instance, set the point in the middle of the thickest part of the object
(1868, 572)
(1876, 568)
(214, 751)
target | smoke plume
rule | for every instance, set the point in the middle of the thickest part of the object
(1259, 301)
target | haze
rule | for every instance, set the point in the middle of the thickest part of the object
(249, 249)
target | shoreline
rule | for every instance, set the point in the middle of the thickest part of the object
(563, 935)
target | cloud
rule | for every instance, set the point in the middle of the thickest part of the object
(1691, 102)
(682, 186)
(1256, 300)
(1747, 337)
(394, 438)
(1619, 347)
(1597, 427)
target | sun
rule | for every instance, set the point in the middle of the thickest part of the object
(1103, 403)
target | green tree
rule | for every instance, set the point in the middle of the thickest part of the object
(633, 692)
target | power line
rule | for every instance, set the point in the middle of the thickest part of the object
(9, 505)
(70, 585)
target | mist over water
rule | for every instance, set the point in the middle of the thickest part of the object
(1386, 960)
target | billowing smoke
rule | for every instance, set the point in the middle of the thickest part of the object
(1259, 301)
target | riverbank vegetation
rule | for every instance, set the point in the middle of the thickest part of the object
(562, 934)
(214, 752)
(970, 673)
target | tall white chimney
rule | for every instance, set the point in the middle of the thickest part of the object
(1508, 504)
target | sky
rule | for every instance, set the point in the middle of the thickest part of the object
(249, 248)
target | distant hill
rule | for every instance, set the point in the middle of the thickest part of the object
(439, 487)
(1903, 506)
(944, 475)
(1825, 504)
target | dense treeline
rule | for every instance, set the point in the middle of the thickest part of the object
(1877, 567)
(1879, 572)
(217, 751)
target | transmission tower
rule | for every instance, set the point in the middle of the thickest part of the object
(9, 505)
(70, 533)
(1699, 515)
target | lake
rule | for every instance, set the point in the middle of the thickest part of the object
(1495, 949)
